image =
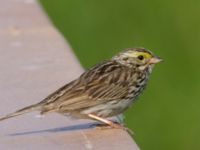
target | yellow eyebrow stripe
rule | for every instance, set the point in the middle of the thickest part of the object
(135, 54)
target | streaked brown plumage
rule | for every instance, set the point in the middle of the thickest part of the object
(105, 90)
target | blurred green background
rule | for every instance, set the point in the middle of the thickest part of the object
(167, 116)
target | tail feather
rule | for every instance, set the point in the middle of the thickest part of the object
(28, 109)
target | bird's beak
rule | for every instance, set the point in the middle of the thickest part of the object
(155, 60)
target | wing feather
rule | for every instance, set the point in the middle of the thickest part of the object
(94, 87)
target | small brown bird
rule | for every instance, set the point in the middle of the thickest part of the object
(105, 90)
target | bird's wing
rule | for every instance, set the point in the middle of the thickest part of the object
(106, 82)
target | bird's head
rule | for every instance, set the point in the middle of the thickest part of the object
(140, 58)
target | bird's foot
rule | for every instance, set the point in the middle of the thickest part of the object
(110, 124)
(114, 125)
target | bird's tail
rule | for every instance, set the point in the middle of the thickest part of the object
(28, 109)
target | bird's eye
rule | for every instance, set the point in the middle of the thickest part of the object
(140, 57)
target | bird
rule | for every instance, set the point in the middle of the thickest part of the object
(105, 90)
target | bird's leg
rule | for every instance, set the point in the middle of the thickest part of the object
(110, 123)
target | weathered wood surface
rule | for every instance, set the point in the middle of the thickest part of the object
(35, 61)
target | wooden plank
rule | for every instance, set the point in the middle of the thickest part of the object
(35, 61)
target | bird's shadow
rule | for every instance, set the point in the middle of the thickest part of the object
(60, 129)
(83, 126)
